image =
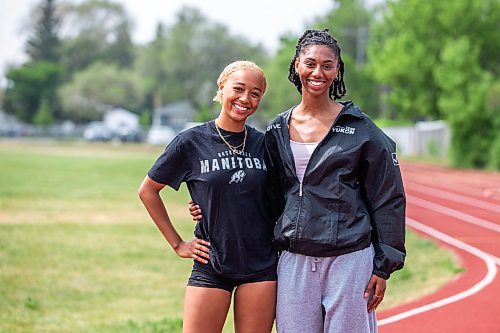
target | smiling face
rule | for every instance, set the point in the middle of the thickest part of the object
(317, 67)
(241, 95)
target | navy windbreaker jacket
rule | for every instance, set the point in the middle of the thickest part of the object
(351, 195)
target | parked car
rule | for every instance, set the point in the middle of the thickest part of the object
(97, 131)
(160, 135)
(128, 134)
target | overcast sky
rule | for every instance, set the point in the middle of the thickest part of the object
(259, 20)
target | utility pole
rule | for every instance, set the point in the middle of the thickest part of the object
(361, 33)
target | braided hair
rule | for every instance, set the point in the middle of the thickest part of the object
(319, 37)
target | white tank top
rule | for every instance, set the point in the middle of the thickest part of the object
(302, 152)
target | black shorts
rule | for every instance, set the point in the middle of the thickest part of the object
(204, 275)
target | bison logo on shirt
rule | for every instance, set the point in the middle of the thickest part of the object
(237, 177)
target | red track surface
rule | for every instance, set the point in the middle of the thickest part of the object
(461, 210)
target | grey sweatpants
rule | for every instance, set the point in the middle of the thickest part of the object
(324, 294)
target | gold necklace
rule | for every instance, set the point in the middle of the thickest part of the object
(234, 149)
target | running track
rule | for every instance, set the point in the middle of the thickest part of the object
(461, 211)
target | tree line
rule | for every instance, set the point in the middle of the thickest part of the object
(406, 60)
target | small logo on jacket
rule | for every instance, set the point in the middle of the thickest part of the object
(344, 129)
(273, 126)
(395, 159)
(237, 177)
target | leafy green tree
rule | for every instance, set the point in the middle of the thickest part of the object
(493, 104)
(363, 88)
(98, 88)
(152, 66)
(438, 60)
(43, 43)
(408, 42)
(44, 114)
(28, 85)
(95, 30)
(121, 50)
(31, 91)
(464, 88)
(184, 61)
(145, 119)
(217, 48)
(205, 49)
(281, 93)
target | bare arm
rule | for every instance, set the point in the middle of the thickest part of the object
(196, 248)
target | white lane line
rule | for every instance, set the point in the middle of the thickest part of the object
(454, 213)
(464, 189)
(452, 196)
(487, 279)
(467, 180)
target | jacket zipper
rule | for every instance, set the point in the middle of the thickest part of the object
(298, 213)
(301, 194)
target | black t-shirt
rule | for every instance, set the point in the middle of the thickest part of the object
(230, 190)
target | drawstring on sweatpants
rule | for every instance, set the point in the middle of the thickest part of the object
(313, 264)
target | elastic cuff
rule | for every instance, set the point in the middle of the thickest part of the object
(381, 274)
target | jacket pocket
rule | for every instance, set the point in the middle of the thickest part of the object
(322, 230)
(353, 228)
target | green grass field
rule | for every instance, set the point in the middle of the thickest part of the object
(78, 252)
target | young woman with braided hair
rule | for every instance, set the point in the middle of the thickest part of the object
(222, 163)
(342, 228)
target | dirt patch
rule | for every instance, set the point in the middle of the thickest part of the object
(98, 217)
(81, 148)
